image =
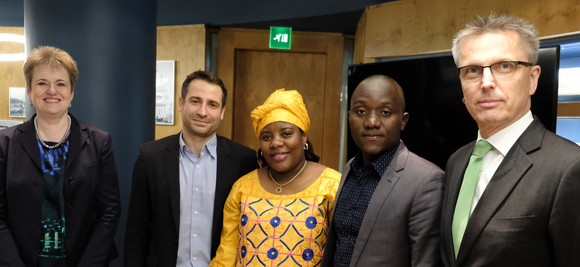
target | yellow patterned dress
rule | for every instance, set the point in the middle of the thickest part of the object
(264, 229)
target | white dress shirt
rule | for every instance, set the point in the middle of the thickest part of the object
(502, 142)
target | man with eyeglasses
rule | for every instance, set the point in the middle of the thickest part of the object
(512, 196)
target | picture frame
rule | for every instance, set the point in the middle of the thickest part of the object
(8, 123)
(165, 92)
(17, 99)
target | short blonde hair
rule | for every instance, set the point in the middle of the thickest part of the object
(53, 57)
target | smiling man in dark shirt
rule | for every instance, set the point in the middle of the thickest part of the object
(388, 205)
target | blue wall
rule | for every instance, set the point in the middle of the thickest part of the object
(116, 86)
(319, 15)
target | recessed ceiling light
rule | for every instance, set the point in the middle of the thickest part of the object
(15, 38)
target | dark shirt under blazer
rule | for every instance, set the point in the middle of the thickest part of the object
(91, 193)
(356, 193)
(152, 234)
(401, 225)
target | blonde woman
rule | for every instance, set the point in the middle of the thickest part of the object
(59, 194)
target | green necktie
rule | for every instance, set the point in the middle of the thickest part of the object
(463, 205)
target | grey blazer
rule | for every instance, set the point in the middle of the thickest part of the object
(402, 222)
(529, 214)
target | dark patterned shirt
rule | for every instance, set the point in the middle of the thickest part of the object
(353, 201)
(52, 250)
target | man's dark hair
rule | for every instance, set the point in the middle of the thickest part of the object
(208, 77)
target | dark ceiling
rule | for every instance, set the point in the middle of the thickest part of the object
(302, 15)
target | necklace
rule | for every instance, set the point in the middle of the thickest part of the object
(66, 134)
(279, 189)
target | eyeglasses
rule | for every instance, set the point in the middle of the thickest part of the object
(500, 70)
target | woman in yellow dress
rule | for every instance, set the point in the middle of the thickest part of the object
(279, 215)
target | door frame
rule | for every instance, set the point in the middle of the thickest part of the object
(331, 44)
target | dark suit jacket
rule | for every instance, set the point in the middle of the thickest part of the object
(152, 232)
(91, 194)
(401, 225)
(529, 214)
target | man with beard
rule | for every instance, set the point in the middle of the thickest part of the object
(180, 183)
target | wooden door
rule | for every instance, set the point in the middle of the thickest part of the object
(252, 71)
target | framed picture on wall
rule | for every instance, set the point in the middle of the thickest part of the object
(16, 105)
(165, 92)
(8, 123)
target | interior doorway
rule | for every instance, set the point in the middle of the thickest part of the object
(252, 71)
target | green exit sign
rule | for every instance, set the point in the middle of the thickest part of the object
(280, 37)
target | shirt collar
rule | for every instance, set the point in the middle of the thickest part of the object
(381, 163)
(210, 146)
(503, 140)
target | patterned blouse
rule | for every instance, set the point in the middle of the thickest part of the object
(52, 250)
(264, 229)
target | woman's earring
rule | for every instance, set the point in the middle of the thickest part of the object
(306, 146)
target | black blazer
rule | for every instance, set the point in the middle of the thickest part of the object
(529, 214)
(91, 194)
(152, 232)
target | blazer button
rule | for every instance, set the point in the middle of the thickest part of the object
(71, 181)
(69, 205)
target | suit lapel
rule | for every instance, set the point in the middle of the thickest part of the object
(330, 247)
(453, 186)
(78, 137)
(222, 189)
(509, 173)
(345, 172)
(379, 198)
(31, 148)
(222, 172)
(171, 167)
(27, 135)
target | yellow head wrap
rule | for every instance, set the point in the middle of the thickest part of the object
(286, 106)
